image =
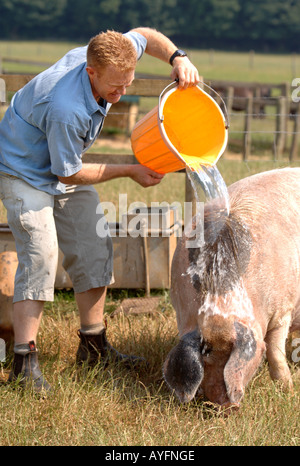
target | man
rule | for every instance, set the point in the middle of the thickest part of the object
(47, 191)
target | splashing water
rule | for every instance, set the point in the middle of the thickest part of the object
(209, 179)
(219, 266)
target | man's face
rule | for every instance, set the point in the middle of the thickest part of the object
(110, 83)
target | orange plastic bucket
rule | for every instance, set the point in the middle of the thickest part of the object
(186, 128)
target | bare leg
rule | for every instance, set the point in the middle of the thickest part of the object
(91, 306)
(26, 320)
(93, 344)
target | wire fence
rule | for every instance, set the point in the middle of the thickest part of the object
(264, 118)
(267, 132)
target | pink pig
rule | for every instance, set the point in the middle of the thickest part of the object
(238, 295)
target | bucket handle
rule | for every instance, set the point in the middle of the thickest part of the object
(160, 115)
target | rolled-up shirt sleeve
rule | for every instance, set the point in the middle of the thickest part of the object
(65, 147)
(139, 41)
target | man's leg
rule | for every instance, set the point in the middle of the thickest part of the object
(88, 259)
(91, 306)
(27, 316)
(30, 217)
(94, 346)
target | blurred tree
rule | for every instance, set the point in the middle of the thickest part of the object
(30, 17)
(207, 22)
(240, 24)
(267, 25)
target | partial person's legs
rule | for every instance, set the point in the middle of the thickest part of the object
(87, 257)
(27, 317)
(93, 346)
(30, 217)
(91, 306)
(89, 263)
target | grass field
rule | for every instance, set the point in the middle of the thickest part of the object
(117, 408)
(270, 68)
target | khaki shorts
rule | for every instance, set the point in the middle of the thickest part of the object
(41, 223)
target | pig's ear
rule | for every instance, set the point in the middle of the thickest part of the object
(242, 363)
(183, 370)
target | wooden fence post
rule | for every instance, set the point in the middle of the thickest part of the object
(2, 91)
(229, 99)
(190, 193)
(247, 128)
(257, 101)
(281, 125)
(295, 140)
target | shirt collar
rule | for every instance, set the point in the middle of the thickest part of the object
(90, 100)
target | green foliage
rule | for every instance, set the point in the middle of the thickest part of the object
(238, 24)
(29, 17)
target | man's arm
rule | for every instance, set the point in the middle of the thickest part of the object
(159, 46)
(91, 173)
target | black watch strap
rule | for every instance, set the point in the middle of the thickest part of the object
(177, 53)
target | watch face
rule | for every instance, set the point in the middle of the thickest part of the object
(178, 53)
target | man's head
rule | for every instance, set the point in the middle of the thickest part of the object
(111, 62)
(111, 48)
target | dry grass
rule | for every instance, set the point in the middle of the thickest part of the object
(114, 407)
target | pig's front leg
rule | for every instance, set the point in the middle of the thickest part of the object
(276, 355)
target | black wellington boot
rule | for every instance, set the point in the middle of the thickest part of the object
(95, 348)
(27, 372)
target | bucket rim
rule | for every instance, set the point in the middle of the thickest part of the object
(160, 119)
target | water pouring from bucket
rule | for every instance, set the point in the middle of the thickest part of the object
(186, 130)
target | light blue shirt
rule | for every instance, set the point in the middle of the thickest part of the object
(52, 121)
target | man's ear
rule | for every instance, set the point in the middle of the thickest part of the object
(90, 71)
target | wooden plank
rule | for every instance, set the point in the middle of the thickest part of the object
(141, 87)
(93, 157)
(237, 84)
(144, 86)
(27, 62)
(14, 82)
(148, 87)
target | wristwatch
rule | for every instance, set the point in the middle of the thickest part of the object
(177, 53)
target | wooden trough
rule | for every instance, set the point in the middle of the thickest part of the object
(143, 245)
